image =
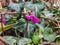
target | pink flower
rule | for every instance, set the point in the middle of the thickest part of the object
(3, 20)
(33, 18)
(28, 17)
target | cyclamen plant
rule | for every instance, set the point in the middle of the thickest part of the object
(36, 32)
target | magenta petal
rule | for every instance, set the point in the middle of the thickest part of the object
(28, 17)
(35, 20)
(3, 20)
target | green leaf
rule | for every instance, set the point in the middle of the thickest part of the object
(48, 35)
(35, 39)
(58, 39)
(7, 27)
(30, 30)
(24, 41)
(40, 31)
(48, 14)
(36, 7)
(11, 21)
(8, 17)
(10, 39)
(17, 7)
(55, 11)
(20, 25)
(48, 30)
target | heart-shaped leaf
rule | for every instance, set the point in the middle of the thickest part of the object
(24, 41)
(10, 39)
(48, 35)
(36, 7)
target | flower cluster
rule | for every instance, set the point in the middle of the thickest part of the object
(33, 18)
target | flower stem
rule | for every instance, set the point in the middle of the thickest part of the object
(25, 32)
(27, 26)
